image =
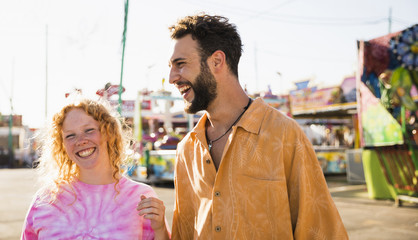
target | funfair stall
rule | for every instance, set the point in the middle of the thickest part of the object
(387, 80)
(328, 118)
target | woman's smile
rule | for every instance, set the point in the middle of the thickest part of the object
(86, 152)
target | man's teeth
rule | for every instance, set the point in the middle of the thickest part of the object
(86, 152)
(184, 89)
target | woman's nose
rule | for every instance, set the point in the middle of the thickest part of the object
(81, 140)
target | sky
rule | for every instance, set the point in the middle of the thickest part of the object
(50, 47)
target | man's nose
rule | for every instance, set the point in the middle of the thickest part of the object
(174, 75)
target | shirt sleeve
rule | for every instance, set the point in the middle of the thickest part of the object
(313, 212)
(176, 223)
(182, 228)
(28, 231)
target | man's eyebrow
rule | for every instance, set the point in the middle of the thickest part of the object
(176, 60)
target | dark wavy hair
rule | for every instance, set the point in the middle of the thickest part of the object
(212, 33)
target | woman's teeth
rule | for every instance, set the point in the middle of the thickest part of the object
(86, 152)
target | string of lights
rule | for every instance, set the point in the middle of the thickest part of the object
(269, 15)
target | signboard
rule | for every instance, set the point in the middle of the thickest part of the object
(332, 161)
(313, 99)
(378, 125)
(128, 107)
(146, 105)
(388, 74)
(280, 103)
(110, 91)
(4, 120)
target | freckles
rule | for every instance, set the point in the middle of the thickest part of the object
(65, 146)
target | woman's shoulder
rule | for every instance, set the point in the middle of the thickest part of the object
(49, 194)
(137, 187)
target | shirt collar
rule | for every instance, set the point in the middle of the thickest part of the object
(250, 121)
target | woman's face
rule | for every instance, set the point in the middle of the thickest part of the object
(84, 143)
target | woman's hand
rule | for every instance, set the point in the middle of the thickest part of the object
(153, 209)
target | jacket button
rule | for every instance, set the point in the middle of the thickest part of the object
(208, 161)
(217, 228)
(217, 194)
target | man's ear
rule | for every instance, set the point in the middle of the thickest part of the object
(217, 61)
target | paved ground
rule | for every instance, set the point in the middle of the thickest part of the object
(369, 219)
(364, 218)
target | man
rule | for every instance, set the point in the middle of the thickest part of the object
(245, 171)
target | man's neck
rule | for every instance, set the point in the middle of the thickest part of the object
(219, 127)
(224, 111)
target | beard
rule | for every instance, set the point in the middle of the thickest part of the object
(204, 90)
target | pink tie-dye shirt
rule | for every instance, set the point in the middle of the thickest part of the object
(99, 212)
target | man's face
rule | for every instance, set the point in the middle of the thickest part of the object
(192, 77)
(204, 87)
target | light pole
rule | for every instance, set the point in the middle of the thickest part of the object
(280, 81)
(10, 139)
(46, 72)
(123, 55)
(11, 154)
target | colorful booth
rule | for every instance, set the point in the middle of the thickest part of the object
(328, 118)
(387, 80)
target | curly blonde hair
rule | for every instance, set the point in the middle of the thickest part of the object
(55, 166)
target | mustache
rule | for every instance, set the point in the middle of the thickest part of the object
(184, 82)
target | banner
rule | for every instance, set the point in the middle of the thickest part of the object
(379, 126)
(313, 99)
(388, 80)
(128, 107)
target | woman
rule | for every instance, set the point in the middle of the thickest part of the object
(84, 195)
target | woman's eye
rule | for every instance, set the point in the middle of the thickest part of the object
(69, 136)
(89, 130)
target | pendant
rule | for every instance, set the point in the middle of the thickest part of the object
(210, 145)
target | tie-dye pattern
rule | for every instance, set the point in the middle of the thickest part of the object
(99, 212)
